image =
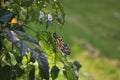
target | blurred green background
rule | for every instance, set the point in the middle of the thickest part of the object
(92, 31)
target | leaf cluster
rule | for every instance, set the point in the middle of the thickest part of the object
(22, 56)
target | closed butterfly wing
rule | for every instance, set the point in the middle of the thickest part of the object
(62, 47)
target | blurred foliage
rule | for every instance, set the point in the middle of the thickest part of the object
(25, 57)
(94, 30)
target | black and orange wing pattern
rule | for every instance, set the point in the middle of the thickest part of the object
(61, 45)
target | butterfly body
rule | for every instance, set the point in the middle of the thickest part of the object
(62, 47)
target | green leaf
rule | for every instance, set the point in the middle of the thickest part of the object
(43, 66)
(18, 71)
(23, 47)
(44, 36)
(54, 72)
(60, 14)
(6, 17)
(18, 27)
(34, 55)
(77, 64)
(5, 72)
(36, 64)
(23, 14)
(32, 74)
(12, 36)
(13, 60)
(24, 60)
(26, 3)
(61, 10)
(28, 38)
(33, 13)
(69, 73)
(59, 19)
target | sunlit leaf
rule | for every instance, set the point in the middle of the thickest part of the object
(47, 40)
(35, 70)
(27, 59)
(13, 60)
(24, 60)
(44, 36)
(69, 73)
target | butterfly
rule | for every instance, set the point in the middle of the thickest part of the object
(62, 47)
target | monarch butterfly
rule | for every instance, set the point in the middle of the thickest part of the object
(62, 47)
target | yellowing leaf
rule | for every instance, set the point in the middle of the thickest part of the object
(45, 10)
(4, 3)
(14, 21)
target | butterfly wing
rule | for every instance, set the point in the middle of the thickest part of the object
(63, 48)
